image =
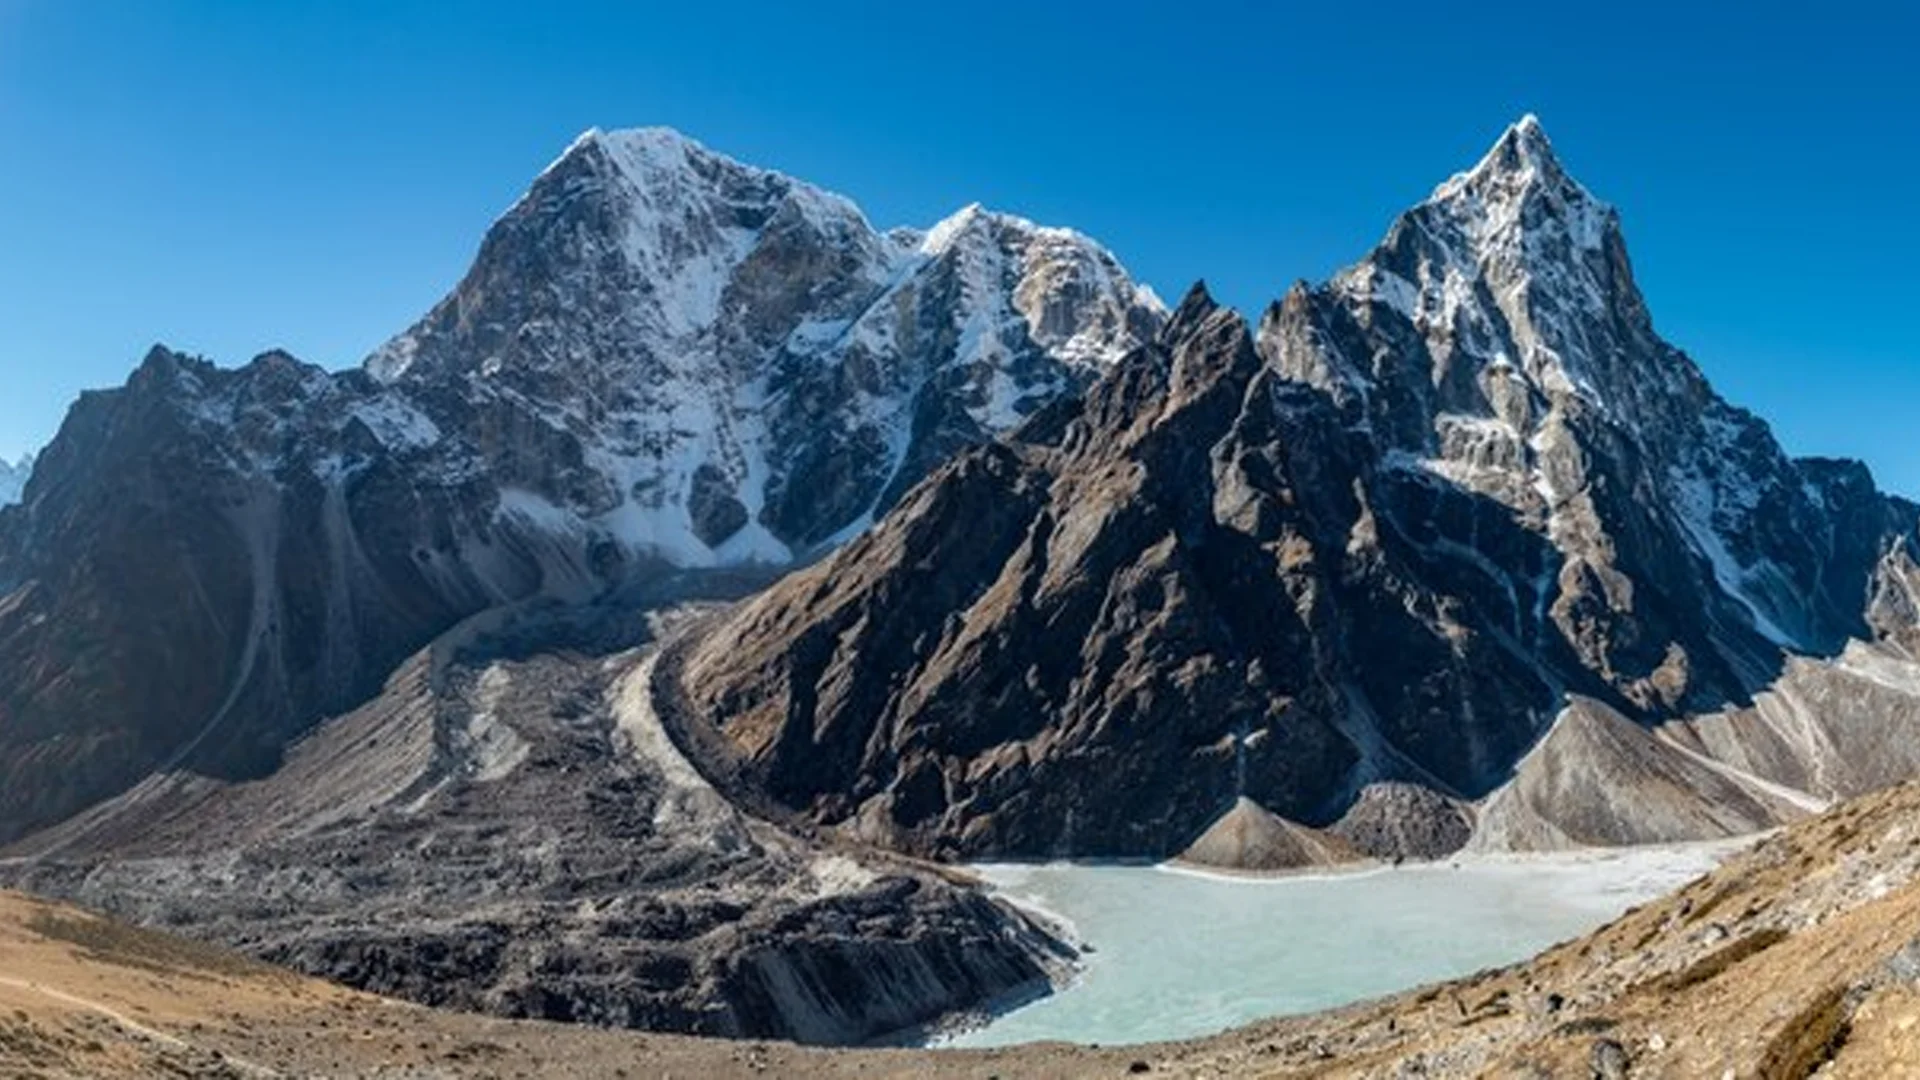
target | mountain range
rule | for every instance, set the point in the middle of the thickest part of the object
(1454, 543)
(707, 549)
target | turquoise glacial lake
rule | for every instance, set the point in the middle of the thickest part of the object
(1178, 953)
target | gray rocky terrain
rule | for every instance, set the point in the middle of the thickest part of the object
(506, 828)
(1250, 837)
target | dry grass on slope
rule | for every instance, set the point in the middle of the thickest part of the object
(82, 996)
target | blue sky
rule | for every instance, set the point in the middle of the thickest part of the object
(228, 177)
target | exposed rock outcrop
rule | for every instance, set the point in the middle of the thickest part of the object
(1391, 820)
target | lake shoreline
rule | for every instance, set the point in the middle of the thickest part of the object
(1196, 950)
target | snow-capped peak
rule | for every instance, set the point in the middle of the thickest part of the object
(1522, 149)
(1514, 233)
(943, 235)
(645, 154)
(1520, 185)
(643, 149)
(717, 341)
(655, 228)
(1514, 277)
(13, 479)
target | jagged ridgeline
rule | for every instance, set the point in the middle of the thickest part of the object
(1455, 526)
(437, 677)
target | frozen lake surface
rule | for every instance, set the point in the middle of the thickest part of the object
(1180, 953)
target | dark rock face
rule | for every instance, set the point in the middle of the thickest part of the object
(1043, 634)
(715, 512)
(207, 559)
(1460, 482)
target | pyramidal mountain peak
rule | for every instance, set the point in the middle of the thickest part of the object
(1518, 217)
(1196, 305)
(1514, 266)
(944, 232)
(1523, 151)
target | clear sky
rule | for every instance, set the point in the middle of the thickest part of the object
(228, 177)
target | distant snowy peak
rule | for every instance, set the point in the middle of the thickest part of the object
(684, 244)
(656, 159)
(1073, 295)
(13, 479)
(651, 228)
(697, 218)
(739, 365)
(993, 295)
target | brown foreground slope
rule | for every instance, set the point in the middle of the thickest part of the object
(84, 996)
(1799, 956)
